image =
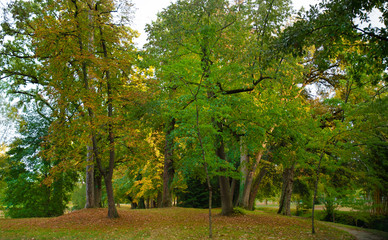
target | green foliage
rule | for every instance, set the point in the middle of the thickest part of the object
(32, 189)
(78, 197)
(271, 183)
(303, 194)
(239, 211)
(197, 194)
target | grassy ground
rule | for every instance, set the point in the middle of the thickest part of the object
(171, 223)
(319, 214)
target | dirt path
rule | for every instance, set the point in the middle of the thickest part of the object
(361, 235)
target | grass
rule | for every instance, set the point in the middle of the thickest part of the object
(170, 223)
(319, 214)
(381, 234)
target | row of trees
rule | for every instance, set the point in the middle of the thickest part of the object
(219, 94)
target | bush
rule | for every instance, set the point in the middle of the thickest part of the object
(197, 195)
(239, 211)
(360, 219)
(379, 223)
(78, 197)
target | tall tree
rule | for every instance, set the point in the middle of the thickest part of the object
(351, 58)
(199, 43)
(81, 56)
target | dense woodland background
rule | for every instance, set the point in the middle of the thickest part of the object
(242, 100)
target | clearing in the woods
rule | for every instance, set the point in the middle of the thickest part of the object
(167, 223)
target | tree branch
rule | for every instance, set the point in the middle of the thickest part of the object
(241, 90)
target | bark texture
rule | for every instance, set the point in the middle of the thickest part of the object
(90, 199)
(225, 191)
(244, 161)
(255, 188)
(250, 179)
(97, 188)
(285, 199)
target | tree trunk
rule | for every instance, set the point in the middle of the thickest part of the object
(90, 179)
(97, 188)
(226, 194)
(235, 191)
(285, 199)
(159, 200)
(255, 189)
(244, 161)
(112, 211)
(249, 181)
(168, 171)
(246, 200)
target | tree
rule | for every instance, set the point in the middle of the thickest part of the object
(81, 61)
(348, 58)
(32, 189)
(202, 62)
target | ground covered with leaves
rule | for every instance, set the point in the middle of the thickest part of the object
(170, 223)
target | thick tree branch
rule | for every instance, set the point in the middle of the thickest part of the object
(241, 90)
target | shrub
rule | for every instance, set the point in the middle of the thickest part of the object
(197, 195)
(239, 211)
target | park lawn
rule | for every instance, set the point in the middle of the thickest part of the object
(167, 223)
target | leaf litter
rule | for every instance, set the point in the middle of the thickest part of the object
(165, 223)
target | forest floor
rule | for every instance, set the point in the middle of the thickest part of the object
(167, 223)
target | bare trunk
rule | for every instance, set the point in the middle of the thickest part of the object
(90, 199)
(112, 211)
(250, 175)
(234, 189)
(97, 188)
(168, 171)
(226, 194)
(244, 161)
(285, 199)
(255, 189)
(250, 179)
(159, 200)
